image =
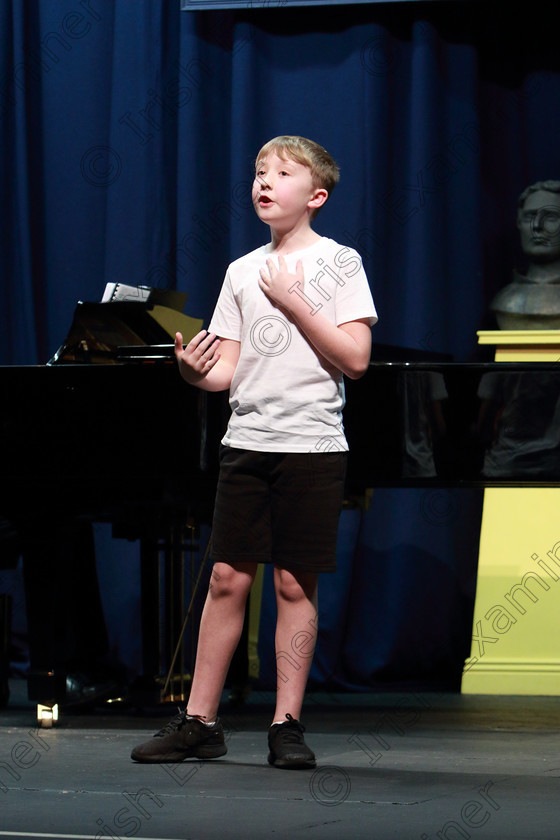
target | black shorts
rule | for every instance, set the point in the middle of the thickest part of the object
(280, 508)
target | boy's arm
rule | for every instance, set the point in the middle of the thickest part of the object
(346, 346)
(207, 361)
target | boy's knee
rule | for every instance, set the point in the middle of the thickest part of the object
(294, 586)
(227, 580)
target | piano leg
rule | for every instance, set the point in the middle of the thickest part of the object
(168, 572)
(65, 619)
(5, 638)
(145, 689)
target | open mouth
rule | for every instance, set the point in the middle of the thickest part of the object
(264, 200)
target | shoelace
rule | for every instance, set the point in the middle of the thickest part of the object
(176, 723)
(173, 726)
(292, 730)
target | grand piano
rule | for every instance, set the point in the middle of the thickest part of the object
(120, 438)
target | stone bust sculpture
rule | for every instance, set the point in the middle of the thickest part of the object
(532, 300)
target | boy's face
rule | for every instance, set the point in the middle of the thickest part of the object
(283, 191)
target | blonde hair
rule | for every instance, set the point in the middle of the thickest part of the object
(324, 171)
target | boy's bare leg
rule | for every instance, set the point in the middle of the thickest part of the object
(296, 635)
(220, 630)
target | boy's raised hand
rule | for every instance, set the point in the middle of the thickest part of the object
(198, 357)
(278, 284)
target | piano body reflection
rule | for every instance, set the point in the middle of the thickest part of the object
(416, 424)
(131, 444)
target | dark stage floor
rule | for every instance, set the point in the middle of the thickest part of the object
(389, 766)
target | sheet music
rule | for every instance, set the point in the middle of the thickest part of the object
(120, 291)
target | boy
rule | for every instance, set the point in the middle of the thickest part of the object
(292, 318)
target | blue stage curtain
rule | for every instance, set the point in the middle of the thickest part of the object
(128, 131)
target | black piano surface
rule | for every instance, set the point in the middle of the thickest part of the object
(127, 444)
(105, 439)
(417, 424)
(132, 444)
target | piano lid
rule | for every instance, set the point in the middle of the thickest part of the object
(100, 330)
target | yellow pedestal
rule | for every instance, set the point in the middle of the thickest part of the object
(523, 345)
(516, 626)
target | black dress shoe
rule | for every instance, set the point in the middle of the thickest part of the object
(85, 690)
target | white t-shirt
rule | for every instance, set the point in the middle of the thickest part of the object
(283, 396)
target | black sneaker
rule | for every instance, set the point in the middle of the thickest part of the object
(287, 747)
(183, 737)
